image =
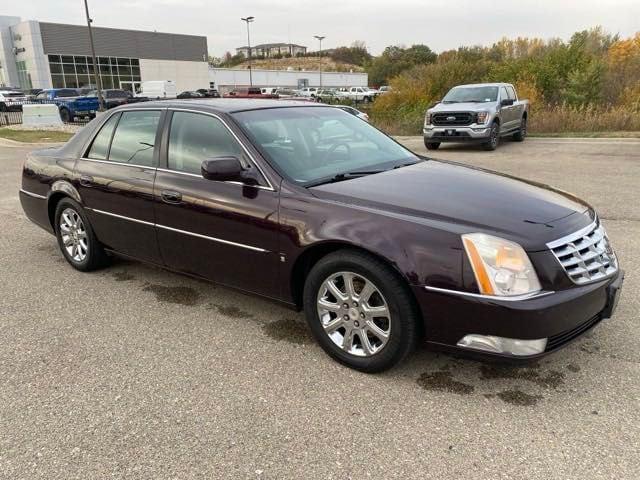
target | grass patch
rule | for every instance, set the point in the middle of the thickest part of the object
(35, 136)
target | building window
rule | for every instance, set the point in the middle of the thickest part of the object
(24, 79)
(76, 71)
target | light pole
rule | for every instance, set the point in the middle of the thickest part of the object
(93, 56)
(320, 38)
(249, 20)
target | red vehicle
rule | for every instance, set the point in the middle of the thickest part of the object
(251, 92)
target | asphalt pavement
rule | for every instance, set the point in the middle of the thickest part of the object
(135, 372)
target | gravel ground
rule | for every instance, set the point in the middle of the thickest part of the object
(134, 372)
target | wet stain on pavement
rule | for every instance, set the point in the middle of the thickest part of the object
(516, 397)
(179, 295)
(549, 379)
(123, 276)
(573, 368)
(231, 311)
(288, 330)
(442, 381)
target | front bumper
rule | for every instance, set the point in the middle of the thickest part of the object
(560, 317)
(456, 134)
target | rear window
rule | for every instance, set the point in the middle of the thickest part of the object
(134, 139)
(100, 147)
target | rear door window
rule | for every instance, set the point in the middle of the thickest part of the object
(134, 139)
(100, 147)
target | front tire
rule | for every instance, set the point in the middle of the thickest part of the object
(494, 137)
(65, 115)
(520, 135)
(432, 145)
(360, 311)
(76, 239)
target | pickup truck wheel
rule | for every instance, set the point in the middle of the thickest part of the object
(360, 311)
(494, 138)
(65, 115)
(367, 99)
(432, 145)
(520, 134)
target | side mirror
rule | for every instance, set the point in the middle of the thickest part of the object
(506, 102)
(222, 169)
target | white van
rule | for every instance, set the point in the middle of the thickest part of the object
(156, 89)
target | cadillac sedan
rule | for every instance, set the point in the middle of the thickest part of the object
(315, 208)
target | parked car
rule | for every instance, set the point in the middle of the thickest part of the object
(480, 113)
(360, 94)
(11, 100)
(307, 92)
(306, 204)
(384, 89)
(114, 97)
(157, 89)
(190, 94)
(328, 96)
(209, 92)
(70, 103)
(355, 112)
(251, 92)
(31, 93)
(284, 92)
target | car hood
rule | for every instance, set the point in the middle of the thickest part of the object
(466, 199)
(463, 107)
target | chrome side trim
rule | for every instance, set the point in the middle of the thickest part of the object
(122, 217)
(573, 236)
(177, 230)
(514, 298)
(213, 239)
(246, 151)
(34, 195)
(109, 162)
(262, 187)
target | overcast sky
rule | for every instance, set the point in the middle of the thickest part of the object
(441, 24)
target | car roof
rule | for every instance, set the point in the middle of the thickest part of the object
(494, 84)
(225, 105)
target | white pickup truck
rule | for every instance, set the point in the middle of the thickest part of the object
(359, 94)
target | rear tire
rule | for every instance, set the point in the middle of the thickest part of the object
(65, 115)
(494, 137)
(372, 322)
(520, 135)
(76, 239)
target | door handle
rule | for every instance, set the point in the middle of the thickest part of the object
(86, 180)
(169, 196)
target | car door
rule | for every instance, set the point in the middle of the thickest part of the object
(115, 181)
(223, 231)
(506, 112)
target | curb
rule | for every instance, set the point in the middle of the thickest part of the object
(6, 142)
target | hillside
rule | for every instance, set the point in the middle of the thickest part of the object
(302, 63)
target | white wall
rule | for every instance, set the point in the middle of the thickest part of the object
(8, 72)
(36, 61)
(227, 78)
(186, 75)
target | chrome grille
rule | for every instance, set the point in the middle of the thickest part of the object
(453, 118)
(586, 255)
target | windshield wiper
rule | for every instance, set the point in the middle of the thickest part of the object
(339, 177)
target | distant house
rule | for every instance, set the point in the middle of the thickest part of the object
(272, 49)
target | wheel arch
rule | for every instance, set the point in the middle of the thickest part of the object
(314, 253)
(59, 190)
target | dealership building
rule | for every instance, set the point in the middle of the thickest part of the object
(52, 55)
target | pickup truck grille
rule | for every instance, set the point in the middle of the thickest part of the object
(586, 255)
(453, 118)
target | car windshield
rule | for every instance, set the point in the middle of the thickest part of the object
(312, 144)
(471, 94)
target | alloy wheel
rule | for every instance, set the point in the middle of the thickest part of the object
(74, 235)
(354, 314)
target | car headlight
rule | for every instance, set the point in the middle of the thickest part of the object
(482, 117)
(427, 119)
(501, 267)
